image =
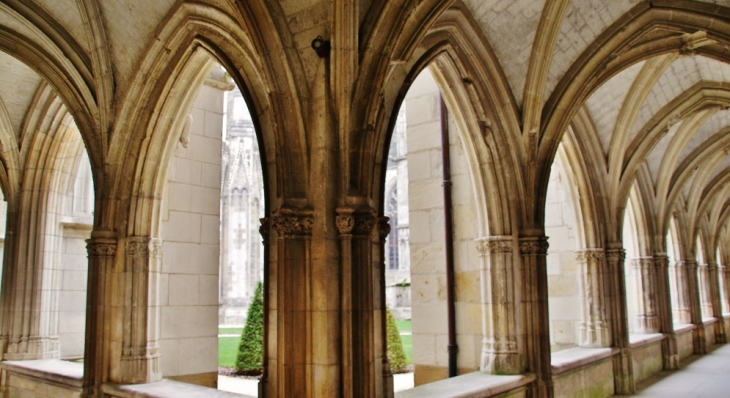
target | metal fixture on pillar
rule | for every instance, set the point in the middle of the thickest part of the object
(322, 47)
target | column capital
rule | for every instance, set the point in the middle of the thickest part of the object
(534, 245)
(383, 227)
(289, 224)
(101, 247)
(590, 254)
(616, 255)
(352, 223)
(264, 228)
(495, 244)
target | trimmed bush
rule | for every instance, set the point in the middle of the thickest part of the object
(396, 354)
(250, 358)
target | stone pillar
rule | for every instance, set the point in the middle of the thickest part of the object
(100, 298)
(716, 301)
(646, 317)
(382, 346)
(594, 327)
(533, 256)
(695, 310)
(703, 275)
(265, 231)
(290, 334)
(356, 303)
(724, 273)
(681, 311)
(499, 305)
(670, 356)
(139, 290)
(616, 296)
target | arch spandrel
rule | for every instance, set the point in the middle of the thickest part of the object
(192, 37)
(453, 53)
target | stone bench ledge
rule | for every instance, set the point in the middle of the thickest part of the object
(683, 327)
(166, 389)
(637, 340)
(54, 370)
(574, 358)
(471, 385)
(708, 321)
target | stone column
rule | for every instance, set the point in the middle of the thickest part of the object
(382, 345)
(716, 301)
(139, 290)
(100, 297)
(681, 309)
(594, 327)
(616, 296)
(290, 334)
(533, 256)
(670, 356)
(705, 287)
(724, 273)
(499, 305)
(646, 317)
(356, 303)
(265, 231)
(695, 310)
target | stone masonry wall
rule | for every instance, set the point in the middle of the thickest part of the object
(190, 235)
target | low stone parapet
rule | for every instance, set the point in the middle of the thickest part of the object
(471, 385)
(583, 372)
(51, 378)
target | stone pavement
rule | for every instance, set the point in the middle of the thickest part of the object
(706, 376)
(249, 387)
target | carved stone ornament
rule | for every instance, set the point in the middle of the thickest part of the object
(615, 255)
(264, 228)
(495, 244)
(290, 225)
(533, 246)
(383, 227)
(345, 224)
(589, 254)
(138, 246)
(101, 248)
(363, 224)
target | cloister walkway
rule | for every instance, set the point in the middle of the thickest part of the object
(705, 376)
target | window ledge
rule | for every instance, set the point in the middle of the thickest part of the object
(470, 385)
(637, 340)
(708, 321)
(683, 327)
(166, 389)
(573, 358)
(62, 372)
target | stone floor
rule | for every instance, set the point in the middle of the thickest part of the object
(249, 387)
(705, 376)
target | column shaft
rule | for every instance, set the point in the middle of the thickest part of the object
(716, 302)
(622, 363)
(499, 306)
(670, 356)
(646, 317)
(594, 327)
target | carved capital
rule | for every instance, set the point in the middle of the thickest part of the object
(264, 229)
(345, 224)
(101, 247)
(292, 225)
(495, 244)
(615, 255)
(642, 262)
(383, 227)
(534, 246)
(586, 255)
(138, 246)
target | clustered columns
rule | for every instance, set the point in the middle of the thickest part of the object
(140, 361)
(714, 280)
(670, 356)
(646, 316)
(704, 285)
(695, 310)
(724, 272)
(681, 308)
(289, 317)
(594, 328)
(616, 296)
(499, 302)
(379, 298)
(102, 249)
(533, 253)
(358, 321)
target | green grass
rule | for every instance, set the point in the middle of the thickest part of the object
(405, 326)
(227, 349)
(228, 346)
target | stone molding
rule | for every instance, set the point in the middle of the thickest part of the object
(354, 224)
(534, 246)
(293, 226)
(589, 254)
(101, 247)
(264, 229)
(615, 255)
(495, 244)
(383, 227)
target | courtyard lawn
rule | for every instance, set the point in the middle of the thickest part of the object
(227, 349)
(406, 339)
(404, 326)
(236, 331)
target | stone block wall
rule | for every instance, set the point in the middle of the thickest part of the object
(563, 269)
(190, 235)
(428, 261)
(72, 297)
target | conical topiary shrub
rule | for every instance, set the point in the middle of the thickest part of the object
(396, 354)
(250, 358)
